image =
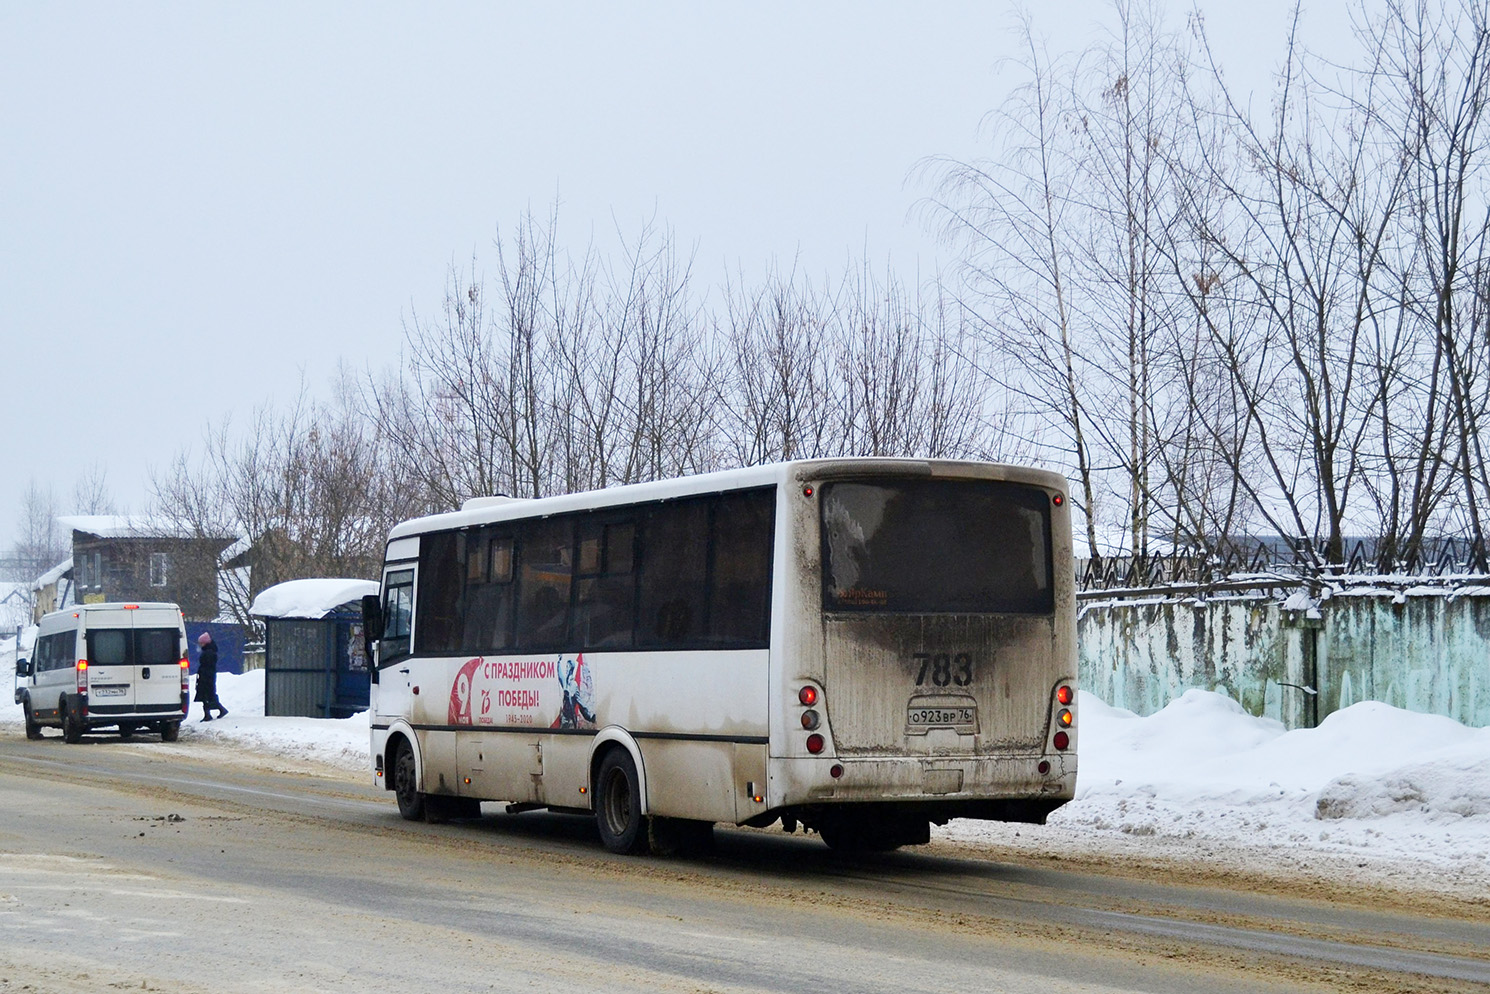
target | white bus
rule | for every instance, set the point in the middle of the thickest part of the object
(862, 647)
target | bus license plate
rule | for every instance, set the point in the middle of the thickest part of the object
(110, 691)
(960, 718)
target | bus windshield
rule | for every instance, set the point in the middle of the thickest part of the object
(934, 546)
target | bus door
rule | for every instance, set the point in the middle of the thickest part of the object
(391, 695)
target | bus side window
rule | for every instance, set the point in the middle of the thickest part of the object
(740, 570)
(605, 589)
(674, 569)
(545, 564)
(486, 615)
(442, 574)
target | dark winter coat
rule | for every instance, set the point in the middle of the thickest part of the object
(207, 674)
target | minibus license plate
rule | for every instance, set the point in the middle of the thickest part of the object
(109, 691)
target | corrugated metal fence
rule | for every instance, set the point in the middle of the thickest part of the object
(1294, 649)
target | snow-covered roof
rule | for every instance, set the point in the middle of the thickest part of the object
(130, 526)
(52, 575)
(314, 598)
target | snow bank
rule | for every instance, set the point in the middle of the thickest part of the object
(1410, 791)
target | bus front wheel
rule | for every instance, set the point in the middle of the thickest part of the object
(406, 786)
(618, 804)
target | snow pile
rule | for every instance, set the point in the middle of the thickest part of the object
(1409, 789)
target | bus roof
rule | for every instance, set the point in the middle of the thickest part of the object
(732, 479)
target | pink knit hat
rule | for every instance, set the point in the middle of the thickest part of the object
(204, 638)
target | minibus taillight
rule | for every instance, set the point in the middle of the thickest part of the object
(82, 676)
(815, 743)
(1062, 741)
(1065, 694)
(807, 695)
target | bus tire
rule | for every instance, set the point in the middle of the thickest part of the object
(618, 804)
(170, 731)
(33, 730)
(126, 731)
(72, 725)
(406, 786)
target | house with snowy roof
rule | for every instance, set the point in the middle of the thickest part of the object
(53, 590)
(145, 558)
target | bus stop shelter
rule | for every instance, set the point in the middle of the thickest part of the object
(315, 662)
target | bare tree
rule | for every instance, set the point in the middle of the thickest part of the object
(41, 543)
(1013, 214)
(90, 495)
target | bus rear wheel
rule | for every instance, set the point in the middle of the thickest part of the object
(170, 731)
(618, 804)
(406, 786)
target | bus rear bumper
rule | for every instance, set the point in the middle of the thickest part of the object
(941, 781)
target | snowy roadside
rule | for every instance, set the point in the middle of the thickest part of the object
(1374, 795)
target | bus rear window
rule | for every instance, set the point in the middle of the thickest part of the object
(936, 546)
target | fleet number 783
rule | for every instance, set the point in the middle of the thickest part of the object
(943, 668)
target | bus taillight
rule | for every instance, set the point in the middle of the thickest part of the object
(815, 743)
(1062, 741)
(1065, 694)
(807, 695)
(82, 676)
(810, 719)
(1064, 718)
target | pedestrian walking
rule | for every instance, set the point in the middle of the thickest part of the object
(207, 677)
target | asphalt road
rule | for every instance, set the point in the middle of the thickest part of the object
(188, 867)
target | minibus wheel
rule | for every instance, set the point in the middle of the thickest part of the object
(33, 730)
(170, 731)
(72, 724)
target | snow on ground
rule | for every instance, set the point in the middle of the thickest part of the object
(1403, 796)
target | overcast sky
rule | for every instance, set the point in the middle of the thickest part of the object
(202, 204)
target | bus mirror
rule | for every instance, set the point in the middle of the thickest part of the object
(372, 622)
(23, 667)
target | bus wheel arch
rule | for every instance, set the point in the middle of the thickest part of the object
(612, 738)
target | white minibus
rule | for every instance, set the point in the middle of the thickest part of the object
(121, 666)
